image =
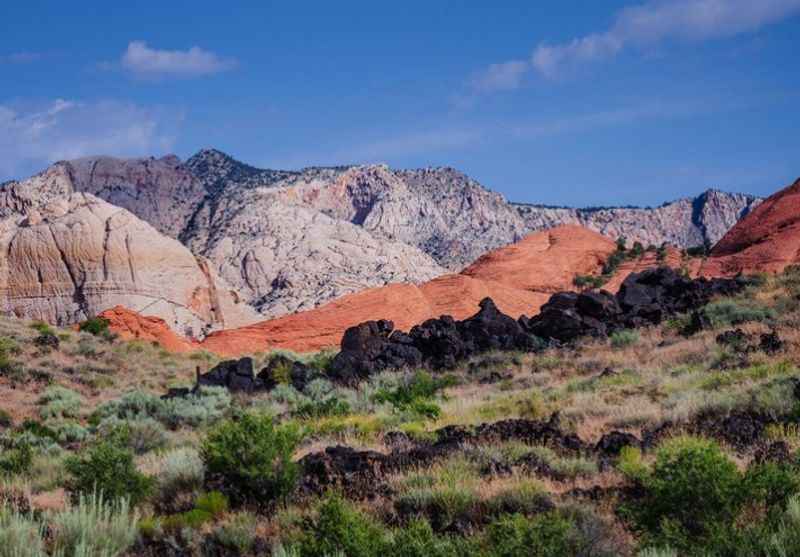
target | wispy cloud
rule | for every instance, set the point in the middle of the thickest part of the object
(501, 77)
(612, 117)
(33, 136)
(144, 61)
(20, 57)
(639, 26)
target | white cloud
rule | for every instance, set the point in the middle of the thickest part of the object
(144, 61)
(662, 20)
(638, 26)
(501, 77)
(33, 137)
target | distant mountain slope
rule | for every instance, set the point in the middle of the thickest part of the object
(689, 222)
(69, 255)
(292, 240)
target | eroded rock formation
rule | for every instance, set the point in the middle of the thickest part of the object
(70, 255)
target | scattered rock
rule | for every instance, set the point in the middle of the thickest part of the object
(736, 339)
(608, 372)
(644, 299)
(775, 452)
(612, 443)
(358, 474)
(47, 340)
(235, 375)
(770, 343)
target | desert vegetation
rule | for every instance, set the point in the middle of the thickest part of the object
(659, 440)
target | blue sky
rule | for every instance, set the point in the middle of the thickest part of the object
(558, 102)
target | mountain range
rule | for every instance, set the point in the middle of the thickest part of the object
(212, 243)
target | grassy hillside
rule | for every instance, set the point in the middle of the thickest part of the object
(650, 442)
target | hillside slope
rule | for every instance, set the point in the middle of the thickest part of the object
(766, 240)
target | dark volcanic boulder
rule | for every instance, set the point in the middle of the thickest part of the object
(281, 369)
(567, 316)
(647, 297)
(356, 473)
(770, 343)
(612, 443)
(440, 342)
(490, 329)
(236, 375)
(370, 347)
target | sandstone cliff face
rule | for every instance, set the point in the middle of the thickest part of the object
(162, 192)
(292, 240)
(69, 256)
(766, 240)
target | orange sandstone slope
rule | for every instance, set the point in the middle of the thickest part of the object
(519, 278)
(130, 325)
(766, 240)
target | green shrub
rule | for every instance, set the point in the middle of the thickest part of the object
(70, 432)
(321, 361)
(253, 457)
(95, 527)
(725, 313)
(17, 459)
(213, 502)
(191, 520)
(331, 406)
(545, 535)
(41, 327)
(60, 402)
(772, 484)
(5, 419)
(203, 408)
(341, 529)
(526, 498)
(141, 434)
(589, 281)
(415, 395)
(20, 535)
(237, 533)
(96, 326)
(692, 489)
(108, 469)
(622, 339)
(206, 407)
(417, 539)
(181, 471)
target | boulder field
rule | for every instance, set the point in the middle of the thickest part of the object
(645, 298)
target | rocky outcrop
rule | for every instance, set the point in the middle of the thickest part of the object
(766, 240)
(519, 278)
(69, 256)
(129, 325)
(684, 223)
(645, 298)
(162, 191)
(289, 241)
